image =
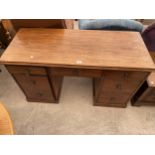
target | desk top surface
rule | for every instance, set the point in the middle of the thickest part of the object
(78, 49)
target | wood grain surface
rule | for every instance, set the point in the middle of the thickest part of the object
(118, 50)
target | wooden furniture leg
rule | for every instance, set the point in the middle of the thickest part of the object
(115, 88)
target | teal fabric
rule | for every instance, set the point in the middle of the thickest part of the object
(110, 24)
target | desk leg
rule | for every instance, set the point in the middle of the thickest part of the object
(115, 88)
(56, 84)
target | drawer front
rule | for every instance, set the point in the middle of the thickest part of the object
(123, 82)
(26, 70)
(113, 98)
(90, 73)
(64, 71)
(36, 88)
(76, 72)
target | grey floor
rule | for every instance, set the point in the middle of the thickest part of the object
(75, 114)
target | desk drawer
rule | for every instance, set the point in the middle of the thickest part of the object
(36, 88)
(90, 73)
(75, 72)
(64, 71)
(122, 81)
(26, 70)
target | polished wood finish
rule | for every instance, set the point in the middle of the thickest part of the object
(6, 125)
(117, 61)
(25, 69)
(78, 49)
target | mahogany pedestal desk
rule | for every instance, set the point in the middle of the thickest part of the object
(117, 61)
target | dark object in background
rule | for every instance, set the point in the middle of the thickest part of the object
(149, 37)
(3, 37)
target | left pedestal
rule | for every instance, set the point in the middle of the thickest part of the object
(37, 83)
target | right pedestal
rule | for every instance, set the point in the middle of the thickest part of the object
(116, 88)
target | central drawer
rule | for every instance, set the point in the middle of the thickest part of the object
(75, 72)
(26, 70)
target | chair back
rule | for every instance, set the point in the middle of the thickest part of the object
(149, 37)
(110, 24)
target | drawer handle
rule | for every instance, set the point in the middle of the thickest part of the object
(76, 72)
(112, 98)
(30, 74)
(34, 82)
(119, 86)
(40, 94)
(125, 75)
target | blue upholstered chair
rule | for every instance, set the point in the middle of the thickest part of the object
(110, 24)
